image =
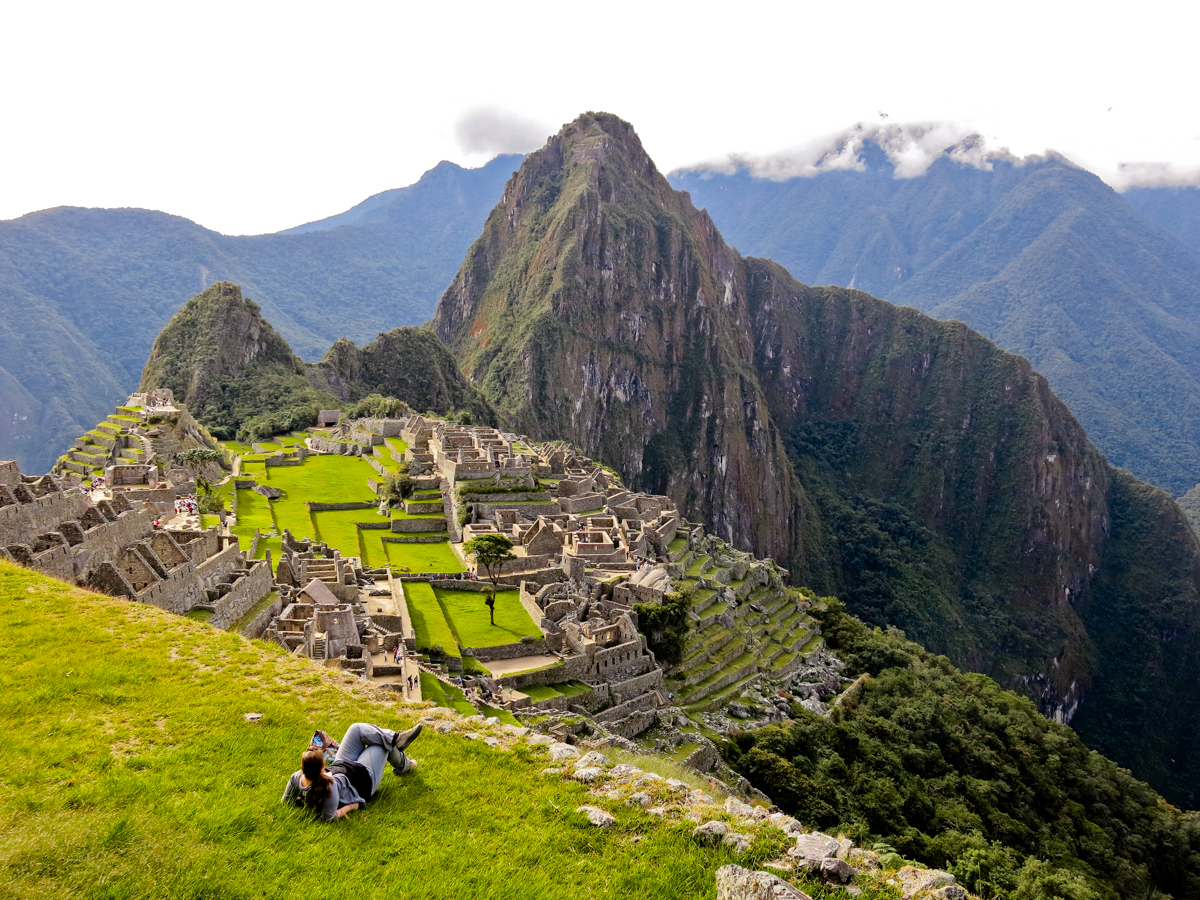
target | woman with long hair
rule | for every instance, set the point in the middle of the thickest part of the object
(354, 776)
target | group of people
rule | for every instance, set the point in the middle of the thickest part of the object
(351, 780)
(643, 563)
(187, 506)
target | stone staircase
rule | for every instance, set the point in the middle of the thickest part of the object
(318, 651)
(323, 570)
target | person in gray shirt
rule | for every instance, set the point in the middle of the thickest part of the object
(354, 776)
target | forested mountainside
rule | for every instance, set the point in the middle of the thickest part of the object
(1038, 255)
(221, 358)
(85, 291)
(906, 464)
(1176, 210)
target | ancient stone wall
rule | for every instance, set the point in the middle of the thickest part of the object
(247, 591)
(535, 647)
(31, 515)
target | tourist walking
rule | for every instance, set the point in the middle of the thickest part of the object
(356, 772)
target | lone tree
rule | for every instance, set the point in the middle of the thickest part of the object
(491, 552)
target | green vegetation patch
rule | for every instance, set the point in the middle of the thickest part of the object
(428, 620)
(954, 771)
(468, 617)
(325, 479)
(421, 558)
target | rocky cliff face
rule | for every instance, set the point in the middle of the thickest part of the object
(928, 477)
(599, 306)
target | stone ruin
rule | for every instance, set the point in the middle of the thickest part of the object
(55, 527)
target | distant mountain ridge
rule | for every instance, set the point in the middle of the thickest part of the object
(910, 466)
(85, 291)
(1040, 256)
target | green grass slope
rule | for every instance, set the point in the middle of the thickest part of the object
(129, 771)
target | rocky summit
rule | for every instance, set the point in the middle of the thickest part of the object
(908, 465)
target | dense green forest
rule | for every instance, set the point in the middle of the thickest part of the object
(949, 769)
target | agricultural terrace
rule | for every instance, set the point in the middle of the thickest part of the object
(334, 479)
(136, 775)
(452, 619)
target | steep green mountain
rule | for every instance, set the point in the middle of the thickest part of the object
(85, 291)
(1039, 255)
(409, 363)
(907, 464)
(222, 358)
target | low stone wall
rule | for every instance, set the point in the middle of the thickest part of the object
(635, 687)
(283, 461)
(327, 507)
(405, 526)
(536, 647)
(432, 538)
(532, 510)
(641, 703)
(571, 668)
(505, 499)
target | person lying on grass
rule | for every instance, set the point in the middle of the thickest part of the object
(355, 773)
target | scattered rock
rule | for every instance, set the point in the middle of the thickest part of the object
(475, 719)
(445, 728)
(492, 720)
(743, 810)
(738, 711)
(845, 845)
(643, 780)
(536, 739)
(428, 720)
(559, 752)
(710, 833)
(597, 817)
(786, 824)
(659, 811)
(914, 881)
(592, 758)
(472, 735)
(614, 794)
(676, 785)
(699, 798)
(253, 717)
(587, 774)
(624, 770)
(950, 892)
(641, 798)
(492, 742)
(738, 841)
(833, 869)
(552, 771)
(812, 848)
(514, 730)
(736, 883)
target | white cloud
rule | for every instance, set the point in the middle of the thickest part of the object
(490, 131)
(911, 148)
(1154, 174)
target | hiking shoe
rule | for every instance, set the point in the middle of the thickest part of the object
(404, 738)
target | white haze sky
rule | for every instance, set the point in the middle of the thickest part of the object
(251, 117)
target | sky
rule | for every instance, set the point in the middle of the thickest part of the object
(252, 117)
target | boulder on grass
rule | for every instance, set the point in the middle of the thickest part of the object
(736, 883)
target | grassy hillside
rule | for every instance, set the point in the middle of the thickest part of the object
(129, 771)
